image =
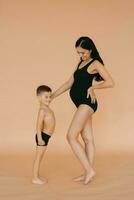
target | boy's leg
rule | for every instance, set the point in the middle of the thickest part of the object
(40, 150)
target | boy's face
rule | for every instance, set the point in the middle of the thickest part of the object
(45, 98)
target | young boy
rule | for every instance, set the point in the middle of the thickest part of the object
(45, 126)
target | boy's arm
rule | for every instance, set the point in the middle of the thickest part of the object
(39, 124)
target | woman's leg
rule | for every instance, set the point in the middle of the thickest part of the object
(87, 136)
(40, 150)
(81, 115)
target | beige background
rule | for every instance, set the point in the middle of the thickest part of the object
(37, 47)
(37, 41)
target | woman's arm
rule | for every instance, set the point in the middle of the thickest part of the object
(64, 87)
(108, 81)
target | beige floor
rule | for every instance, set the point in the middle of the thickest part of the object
(114, 179)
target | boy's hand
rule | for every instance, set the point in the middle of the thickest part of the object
(41, 142)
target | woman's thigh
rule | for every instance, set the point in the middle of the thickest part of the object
(80, 117)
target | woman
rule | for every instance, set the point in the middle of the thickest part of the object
(90, 67)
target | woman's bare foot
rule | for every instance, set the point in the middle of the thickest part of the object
(79, 178)
(39, 181)
(89, 176)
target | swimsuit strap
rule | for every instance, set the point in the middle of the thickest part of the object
(89, 63)
(86, 65)
(79, 63)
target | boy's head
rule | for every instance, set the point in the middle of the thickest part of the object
(43, 93)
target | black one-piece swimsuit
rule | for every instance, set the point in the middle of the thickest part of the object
(82, 81)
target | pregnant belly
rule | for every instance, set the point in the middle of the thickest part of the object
(80, 96)
(79, 89)
(77, 92)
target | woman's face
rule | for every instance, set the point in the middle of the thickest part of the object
(84, 53)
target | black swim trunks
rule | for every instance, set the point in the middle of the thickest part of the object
(45, 137)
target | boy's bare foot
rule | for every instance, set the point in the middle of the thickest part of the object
(89, 176)
(39, 181)
(79, 178)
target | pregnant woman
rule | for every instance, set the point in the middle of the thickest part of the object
(81, 89)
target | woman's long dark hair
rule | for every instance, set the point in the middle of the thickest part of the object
(87, 43)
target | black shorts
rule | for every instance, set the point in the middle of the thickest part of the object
(45, 138)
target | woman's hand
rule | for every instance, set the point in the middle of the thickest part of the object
(52, 96)
(90, 92)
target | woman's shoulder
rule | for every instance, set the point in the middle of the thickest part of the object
(97, 65)
(97, 62)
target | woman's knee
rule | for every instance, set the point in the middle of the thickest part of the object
(73, 133)
(68, 138)
(88, 140)
(71, 138)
